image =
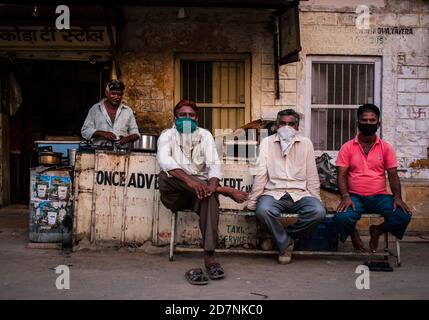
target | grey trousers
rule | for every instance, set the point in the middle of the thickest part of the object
(176, 195)
(268, 209)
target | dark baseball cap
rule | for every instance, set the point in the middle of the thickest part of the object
(117, 85)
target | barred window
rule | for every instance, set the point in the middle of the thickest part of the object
(220, 87)
(337, 89)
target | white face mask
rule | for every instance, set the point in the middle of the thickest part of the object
(286, 135)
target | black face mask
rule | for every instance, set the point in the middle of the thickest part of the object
(367, 129)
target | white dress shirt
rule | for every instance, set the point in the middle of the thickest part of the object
(276, 175)
(98, 119)
(195, 153)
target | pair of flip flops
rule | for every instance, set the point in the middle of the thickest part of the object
(197, 277)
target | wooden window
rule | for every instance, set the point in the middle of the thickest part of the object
(221, 87)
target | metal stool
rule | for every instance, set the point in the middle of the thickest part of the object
(173, 234)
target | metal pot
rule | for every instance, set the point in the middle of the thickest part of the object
(72, 156)
(146, 143)
(50, 158)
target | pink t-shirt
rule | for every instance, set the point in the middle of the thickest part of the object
(367, 172)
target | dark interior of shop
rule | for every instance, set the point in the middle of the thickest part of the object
(56, 96)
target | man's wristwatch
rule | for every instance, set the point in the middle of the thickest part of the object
(345, 195)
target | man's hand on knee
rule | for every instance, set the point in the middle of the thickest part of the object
(345, 203)
(399, 203)
(200, 187)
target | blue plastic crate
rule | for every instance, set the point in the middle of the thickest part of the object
(323, 238)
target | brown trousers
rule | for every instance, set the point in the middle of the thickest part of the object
(176, 195)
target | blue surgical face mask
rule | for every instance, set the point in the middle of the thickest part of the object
(185, 125)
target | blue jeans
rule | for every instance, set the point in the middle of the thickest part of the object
(395, 222)
(268, 210)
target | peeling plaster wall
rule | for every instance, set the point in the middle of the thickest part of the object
(331, 30)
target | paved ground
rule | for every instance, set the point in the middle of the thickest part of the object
(130, 274)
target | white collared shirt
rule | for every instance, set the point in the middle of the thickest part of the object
(276, 174)
(201, 158)
(98, 119)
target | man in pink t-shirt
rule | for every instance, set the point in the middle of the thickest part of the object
(362, 163)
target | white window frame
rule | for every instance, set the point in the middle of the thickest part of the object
(310, 59)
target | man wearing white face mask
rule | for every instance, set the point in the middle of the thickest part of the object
(286, 180)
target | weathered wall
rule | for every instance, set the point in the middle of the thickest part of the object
(331, 30)
(153, 35)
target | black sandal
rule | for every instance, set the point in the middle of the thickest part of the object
(379, 266)
(196, 276)
(215, 271)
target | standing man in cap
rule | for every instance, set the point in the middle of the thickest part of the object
(109, 119)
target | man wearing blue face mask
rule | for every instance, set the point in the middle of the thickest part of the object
(362, 164)
(190, 179)
(286, 180)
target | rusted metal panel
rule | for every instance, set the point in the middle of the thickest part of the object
(139, 199)
(237, 231)
(236, 176)
(233, 230)
(107, 219)
(83, 193)
(82, 218)
(114, 197)
(117, 199)
(188, 230)
(162, 228)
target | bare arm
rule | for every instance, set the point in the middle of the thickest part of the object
(346, 201)
(313, 182)
(342, 180)
(201, 188)
(213, 185)
(236, 195)
(395, 186)
(104, 134)
(131, 138)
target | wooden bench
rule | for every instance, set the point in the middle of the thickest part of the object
(385, 254)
